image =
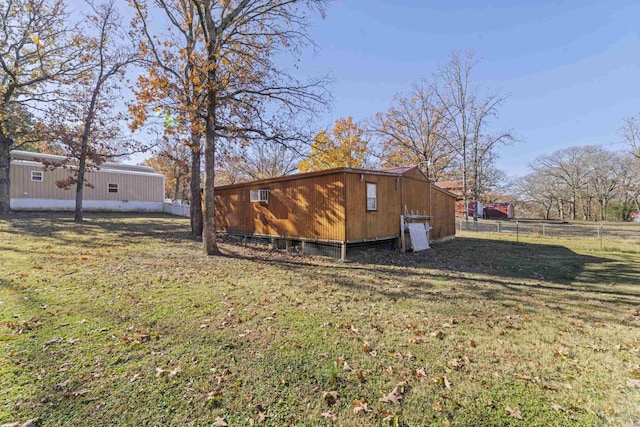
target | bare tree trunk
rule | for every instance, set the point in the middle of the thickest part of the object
(464, 186)
(77, 216)
(176, 188)
(5, 164)
(209, 229)
(195, 210)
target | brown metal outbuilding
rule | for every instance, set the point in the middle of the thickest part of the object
(341, 206)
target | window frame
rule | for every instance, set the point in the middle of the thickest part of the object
(37, 173)
(260, 195)
(374, 198)
(113, 186)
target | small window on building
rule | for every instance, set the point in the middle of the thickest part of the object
(37, 176)
(372, 197)
(259, 196)
(113, 188)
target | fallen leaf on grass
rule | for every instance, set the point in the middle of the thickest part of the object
(331, 397)
(160, 372)
(437, 407)
(360, 405)
(175, 372)
(360, 377)
(473, 344)
(397, 394)
(557, 407)
(633, 383)
(384, 413)
(421, 373)
(52, 342)
(443, 381)
(596, 347)
(366, 347)
(330, 416)
(62, 385)
(523, 377)
(635, 374)
(514, 412)
(455, 364)
(219, 422)
(437, 334)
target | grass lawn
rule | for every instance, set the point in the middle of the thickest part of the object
(124, 321)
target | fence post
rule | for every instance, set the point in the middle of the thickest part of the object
(544, 234)
(517, 232)
(498, 227)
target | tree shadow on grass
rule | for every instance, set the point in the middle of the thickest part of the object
(509, 273)
(129, 227)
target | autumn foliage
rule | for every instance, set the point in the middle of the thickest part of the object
(346, 146)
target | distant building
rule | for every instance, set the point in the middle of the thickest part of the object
(456, 187)
(499, 211)
(113, 187)
(635, 216)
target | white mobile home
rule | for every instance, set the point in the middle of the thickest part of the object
(113, 187)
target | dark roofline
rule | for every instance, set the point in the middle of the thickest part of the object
(311, 175)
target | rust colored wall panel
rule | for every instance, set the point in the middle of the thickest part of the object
(443, 212)
(383, 222)
(308, 208)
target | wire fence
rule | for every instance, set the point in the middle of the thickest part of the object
(601, 231)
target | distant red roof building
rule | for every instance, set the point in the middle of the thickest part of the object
(498, 211)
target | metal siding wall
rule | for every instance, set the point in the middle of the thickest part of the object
(307, 208)
(134, 187)
(365, 224)
(443, 212)
(415, 195)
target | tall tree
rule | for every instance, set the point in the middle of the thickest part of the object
(630, 130)
(174, 84)
(569, 168)
(37, 49)
(468, 113)
(87, 124)
(346, 146)
(410, 132)
(482, 144)
(248, 97)
(605, 176)
(539, 189)
(453, 87)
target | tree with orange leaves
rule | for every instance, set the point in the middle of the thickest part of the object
(249, 97)
(172, 90)
(345, 146)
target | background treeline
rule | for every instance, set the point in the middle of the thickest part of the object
(580, 183)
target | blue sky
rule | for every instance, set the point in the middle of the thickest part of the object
(571, 69)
